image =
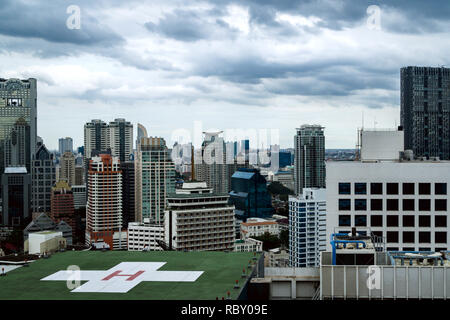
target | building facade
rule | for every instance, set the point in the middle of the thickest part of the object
(95, 137)
(196, 219)
(120, 139)
(154, 179)
(402, 200)
(128, 198)
(307, 227)
(62, 204)
(144, 236)
(67, 168)
(309, 158)
(104, 201)
(425, 110)
(43, 178)
(65, 145)
(249, 195)
(256, 227)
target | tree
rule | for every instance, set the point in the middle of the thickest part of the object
(284, 238)
(270, 241)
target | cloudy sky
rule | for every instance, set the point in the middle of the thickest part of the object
(261, 64)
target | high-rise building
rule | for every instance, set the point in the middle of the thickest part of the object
(389, 193)
(65, 144)
(43, 178)
(18, 128)
(95, 137)
(62, 204)
(67, 168)
(104, 202)
(196, 219)
(79, 175)
(79, 196)
(120, 139)
(249, 195)
(425, 110)
(213, 169)
(307, 227)
(154, 179)
(128, 199)
(309, 159)
(16, 196)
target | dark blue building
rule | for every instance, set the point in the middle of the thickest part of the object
(249, 195)
(285, 159)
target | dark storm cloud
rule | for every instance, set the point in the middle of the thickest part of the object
(188, 25)
(47, 20)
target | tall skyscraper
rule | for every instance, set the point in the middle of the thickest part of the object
(43, 178)
(18, 128)
(154, 179)
(18, 137)
(65, 144)
(425, 110)
(95, 137)
(309, 158)
(104, 201)
(212, 169)
(67, 169)
(120, 139)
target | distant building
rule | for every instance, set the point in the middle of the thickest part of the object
(285, 177)
(95, 137)
(424, 110)
(79, 196)
(249, 195)
(144, 236)
(309, 159)
(43, 223)
(128, 193)
(196, 219)
(63, 204)
(65, 145)
(79, 175)
(256, 227)
(248, 245)
(104, 202)
(43, 178)
(307, 227)
(154, 179)
(67, 168)
(120, 139)
(16, 195)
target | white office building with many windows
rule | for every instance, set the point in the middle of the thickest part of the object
(307, 227)
(397, 197)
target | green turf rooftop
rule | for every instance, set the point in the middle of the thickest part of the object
(220, 272)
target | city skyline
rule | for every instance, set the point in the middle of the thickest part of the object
(305, 62)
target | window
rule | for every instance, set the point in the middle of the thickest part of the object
(392, 221)
(361, 204)
(424, 221)
(424, 205)
(360, 188)
(408, 236)
(424, 237)
(440, 237)
(376, 188)
(424, 188)
(408, 221)
(392, 204)
(408, 204)
(440, 188)
(408, 188)
(376, 221)
(392, 188)
(376, 204)
(440, 205)
(344, 204)
(360, 221)
(344, 220)
(344, 187)
(408, 249)
(440, 221)
(392, 236)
